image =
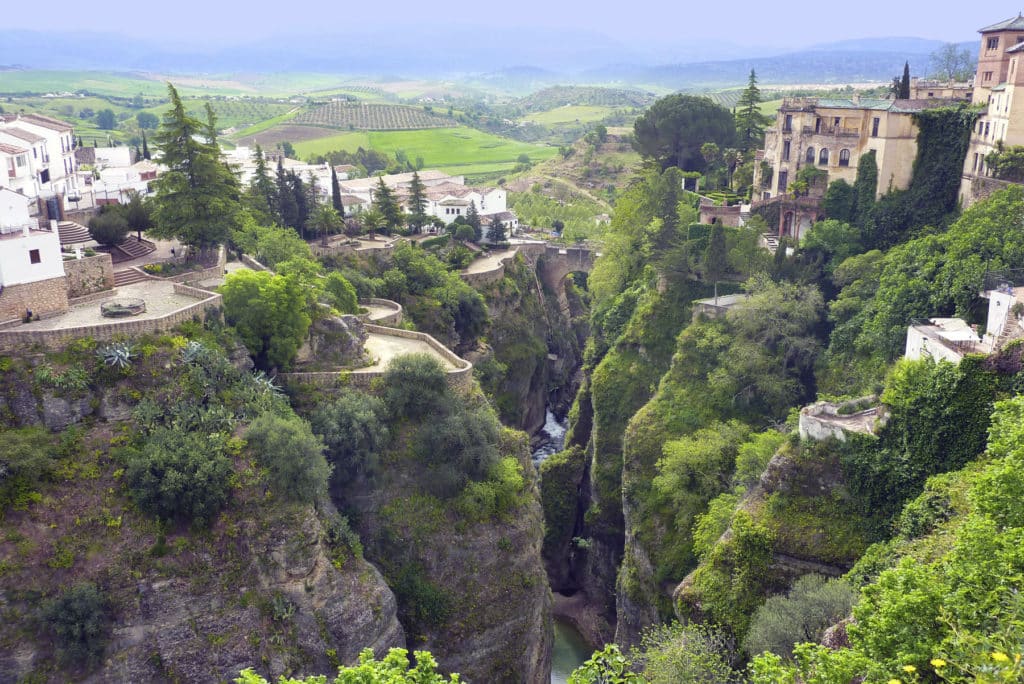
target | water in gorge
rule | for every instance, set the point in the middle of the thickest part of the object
(569, 650)
(552, 438)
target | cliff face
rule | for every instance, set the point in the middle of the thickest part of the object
(471, 590)
(535, 342)
(263, 588)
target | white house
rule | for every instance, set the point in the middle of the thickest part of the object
(31, 266)
(46, 147)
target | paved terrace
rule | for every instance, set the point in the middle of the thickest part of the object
(384, 348)
(490, 262)
(160, 298)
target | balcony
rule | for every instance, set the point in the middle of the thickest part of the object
(832, 130)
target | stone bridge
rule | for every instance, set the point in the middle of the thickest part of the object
(554, 262)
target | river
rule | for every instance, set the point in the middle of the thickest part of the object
(570, 650)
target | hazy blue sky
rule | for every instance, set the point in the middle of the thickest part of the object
(796, 23)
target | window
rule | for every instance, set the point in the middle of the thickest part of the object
(975, 167)
(788, 125)
(44, 176)
(835, 122)
(810, 155)
(874, 127)
(992, 44)
(823, 157)
(20, 160)
(817, 125)
(844, 157)
(987, 76)
(785, 150)
(986, 129)
(35, 153)
(783, 180)
(33, 256)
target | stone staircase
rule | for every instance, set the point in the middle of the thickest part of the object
(1011, 330)
(770, 241)
(72, 233)
(129, 276)
(135, 248)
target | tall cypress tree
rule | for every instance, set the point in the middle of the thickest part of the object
(473, 219)
(336, 194)
(145, 146)
(716, 255)
(904, 93)
(287, 207)
(865, 187)
(262, 191)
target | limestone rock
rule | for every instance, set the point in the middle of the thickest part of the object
(59, 413)
(337, 341)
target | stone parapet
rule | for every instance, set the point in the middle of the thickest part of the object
(89, 275)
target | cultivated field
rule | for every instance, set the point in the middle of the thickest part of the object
(569, 114)
(372, 117)
(456, 150)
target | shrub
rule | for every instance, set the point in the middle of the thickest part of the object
(352, 426)
(293, 454)
(685, 653)
(813, 605)
(80, 620)
(27, 457)
(460, 445)
(341, 294)
(109, 227)
(414, 385)
(180, 475)
(465, 233)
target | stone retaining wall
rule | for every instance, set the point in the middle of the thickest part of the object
(392, 319)
(54, 339)
(94, 297)
(461, 377)
(252, 263)
(89, 275)
(44, 298)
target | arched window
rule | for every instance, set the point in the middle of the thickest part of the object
(823, 157)
(810, 155)
(844, 157)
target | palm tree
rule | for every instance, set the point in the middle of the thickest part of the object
(324, 220)
(373, 219)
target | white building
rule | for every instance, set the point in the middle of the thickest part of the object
(31, 266)
(39, 155)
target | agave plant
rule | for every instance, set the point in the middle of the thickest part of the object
(117, 354)
(266, 383)
(192, 351)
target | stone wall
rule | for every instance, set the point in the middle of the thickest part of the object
(89, 274)
(44, 298)
(390, 319)
(461, 377)
(484, 278)
(53, 339)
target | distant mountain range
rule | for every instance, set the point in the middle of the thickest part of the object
(546, 57)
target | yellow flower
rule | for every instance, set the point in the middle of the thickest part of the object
(938, 662)
(1000, 657)
(909, 669)
(894, 681)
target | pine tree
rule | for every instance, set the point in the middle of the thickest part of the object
(145, 146)
(417, 204)
(302, 204)
(750, 122)
(496, 231)
(197, 200)
(336, 194)
(385, 202)
(473, 221)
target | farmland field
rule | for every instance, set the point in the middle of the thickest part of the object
(372, 117)
(455, 150)
(569, 114)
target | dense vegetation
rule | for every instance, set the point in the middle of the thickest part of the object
(371, 117)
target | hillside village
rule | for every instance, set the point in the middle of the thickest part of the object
(264, 417)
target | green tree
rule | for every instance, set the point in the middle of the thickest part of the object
(672, 131)
(336, 194)
(840, 201)
(465, 233)
(716, 256)
(417, 204)
(836, 240)
(109, 227)
(286, 204)
(197, 199)
(145, 147)
(147, 121)
(341, 293)
(269, 312)
(324, 221)
(288, 149)
(395, 668)
(354, 428)
(496, 230)
(1007, 163)
(473, 221)
(904, 93)
(384, 201)
(270, 245)
(750, 122)
(671, 654)
(812, 605)
(262, 191)
(137, 214)
(287, 447)
(865, 187)
(106, 120)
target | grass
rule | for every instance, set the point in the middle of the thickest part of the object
(455, 150)
(569, 114)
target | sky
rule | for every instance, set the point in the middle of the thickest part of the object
(640, 25)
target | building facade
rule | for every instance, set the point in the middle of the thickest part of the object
(38, 153)
(32, 279)
(999, 87)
